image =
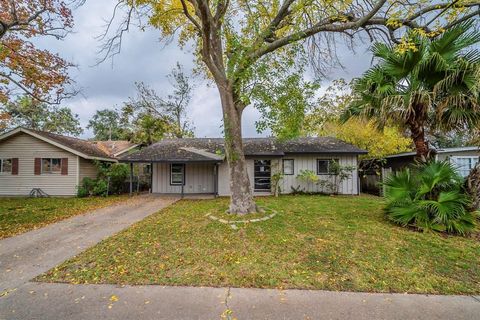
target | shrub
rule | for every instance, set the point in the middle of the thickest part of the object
(92, 187)
(429, 197)
(118, 174)
(82, 192)
(100, 188)
(88, 184)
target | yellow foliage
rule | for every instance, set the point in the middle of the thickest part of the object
(365, 135)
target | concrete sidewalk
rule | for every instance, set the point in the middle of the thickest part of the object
(25, 256)
(64, 301)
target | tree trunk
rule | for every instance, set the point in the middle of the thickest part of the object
(241, 199)
(472, 187)
(417, 130)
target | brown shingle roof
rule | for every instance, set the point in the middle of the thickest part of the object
(82, 146)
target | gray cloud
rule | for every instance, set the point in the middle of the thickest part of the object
(144, 58)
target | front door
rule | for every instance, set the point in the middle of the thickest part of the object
(262, 176)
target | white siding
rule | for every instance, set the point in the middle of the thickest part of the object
(309, 162)
(463, 161)
(301, 162)
(26, 148)
(199, 178)
(445, 156)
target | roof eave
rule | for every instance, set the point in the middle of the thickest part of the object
(58, 145)
(168, 161)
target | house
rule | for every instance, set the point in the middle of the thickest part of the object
(463, 158)
(56, 164)
(198, 165)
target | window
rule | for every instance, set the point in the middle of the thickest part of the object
(464, 164)
(325, 166)
(51, 165)
(288, 165)
(177, 171)
(5, 165)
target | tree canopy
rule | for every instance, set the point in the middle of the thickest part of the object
(33, 114)
(433, 85)
(161, 116)
(107, 124)
(24, 68)
(324, 120)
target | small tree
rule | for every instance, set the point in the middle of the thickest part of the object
(338, 172)
(276, 177)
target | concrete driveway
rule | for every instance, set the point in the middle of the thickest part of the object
(25, 256)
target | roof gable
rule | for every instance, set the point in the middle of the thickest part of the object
(79, 147)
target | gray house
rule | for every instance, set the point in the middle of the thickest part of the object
(54, 163)
(198, 165)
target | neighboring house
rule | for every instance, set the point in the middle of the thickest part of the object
(463, 158)
(54, 163)
(198, 165)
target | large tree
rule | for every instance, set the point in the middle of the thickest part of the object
(432, 84)
(33, 114)
(234, 38)
(167, 113)
(107, 124)
(25, 68)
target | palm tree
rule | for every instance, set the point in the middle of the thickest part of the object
(423, 83)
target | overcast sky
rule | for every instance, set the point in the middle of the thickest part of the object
(144, 58)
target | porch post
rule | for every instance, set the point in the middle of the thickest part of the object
(215, 180)
(183, 180)
(151, 177)
(131, 178)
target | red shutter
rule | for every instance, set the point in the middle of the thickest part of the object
(38, 166)
(64, 166)
(15, 166)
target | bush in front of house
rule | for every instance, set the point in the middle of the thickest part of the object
(117, 174)
(429, 196)
(110, 180)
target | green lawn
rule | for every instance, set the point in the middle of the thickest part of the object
(18, 215)
(314, 242)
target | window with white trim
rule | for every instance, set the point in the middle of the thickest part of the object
(464, 164)
(288, 166)
(5, 165)
(177, 174)
(51, 165)
(325, 166)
